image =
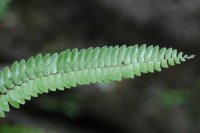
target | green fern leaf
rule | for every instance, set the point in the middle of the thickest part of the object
(41, 74)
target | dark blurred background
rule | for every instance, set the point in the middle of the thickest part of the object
(166, 102)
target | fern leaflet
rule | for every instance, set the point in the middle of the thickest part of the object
(41, 74)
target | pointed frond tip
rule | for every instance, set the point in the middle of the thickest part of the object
(41, 74)
(189, 57)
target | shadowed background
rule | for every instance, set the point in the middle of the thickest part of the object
(154, 103)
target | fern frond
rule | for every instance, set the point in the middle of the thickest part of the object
(41, 74)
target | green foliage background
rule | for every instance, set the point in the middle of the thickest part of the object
(18, 129)
(3, 6)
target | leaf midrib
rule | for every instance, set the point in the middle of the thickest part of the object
(104, 67)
